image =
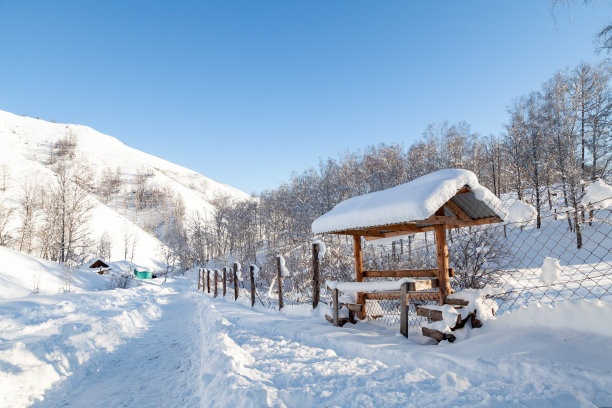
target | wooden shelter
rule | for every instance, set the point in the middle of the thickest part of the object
(99, 265)
(435, 202)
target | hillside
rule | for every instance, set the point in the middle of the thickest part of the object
(131, 193)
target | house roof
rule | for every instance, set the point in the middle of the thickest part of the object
(97, 263)
(415, 203)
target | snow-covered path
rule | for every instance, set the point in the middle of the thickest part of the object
(166, 345)
(161, 368)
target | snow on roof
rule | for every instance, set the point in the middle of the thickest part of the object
(413, 201)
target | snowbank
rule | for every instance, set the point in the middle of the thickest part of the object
(599, 194)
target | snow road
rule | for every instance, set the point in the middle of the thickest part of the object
(197, 351)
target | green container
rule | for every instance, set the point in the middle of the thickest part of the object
(144, 275)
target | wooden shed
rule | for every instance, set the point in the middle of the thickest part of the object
(98, 265)
(445, 199)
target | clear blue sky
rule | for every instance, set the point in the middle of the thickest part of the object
(248, 91)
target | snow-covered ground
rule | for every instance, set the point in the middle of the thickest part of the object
(167, 345)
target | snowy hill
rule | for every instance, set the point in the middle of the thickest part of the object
(129, 209)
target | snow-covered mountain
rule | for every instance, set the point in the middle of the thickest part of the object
(26, 154)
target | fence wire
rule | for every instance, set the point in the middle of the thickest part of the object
(568, 257)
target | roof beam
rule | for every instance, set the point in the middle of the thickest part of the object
(458, 211)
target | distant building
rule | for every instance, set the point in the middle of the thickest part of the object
(98, 266)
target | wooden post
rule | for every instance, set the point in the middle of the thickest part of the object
(204, 270)
(224, 280)
(336, 307)
(199, 277)
(442, 255)
(208, 280)
(252, 273)
(404, 309)
(216, 278)
(235, 281)
(279, 277)
(359, 273)
(315, 276)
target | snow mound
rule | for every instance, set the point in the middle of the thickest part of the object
(521, 213)
(551, 270)
(22, 275)
(599, 194)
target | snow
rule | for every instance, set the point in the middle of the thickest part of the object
(379, 286)
(485, 308)
(255, 270)
(169, 345)
(284, 271)
(21, 275)
(322, 248)
(599, 194)
(521, 213)
(412, 201)
(551, 271)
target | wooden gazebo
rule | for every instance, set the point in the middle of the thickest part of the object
(438, 201)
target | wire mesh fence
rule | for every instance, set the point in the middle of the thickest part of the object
(565, 256)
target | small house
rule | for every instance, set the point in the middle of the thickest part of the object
(98, 265)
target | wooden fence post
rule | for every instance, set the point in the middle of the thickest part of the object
(336, 308)
(199, 277)
(252, 273)
(279, 277)
(216, 278)
(208, 280)
(204, 279)
(404, 309)
(315, 276)
(224, 280)
(235, 281)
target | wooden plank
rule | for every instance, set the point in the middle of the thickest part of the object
(208, 280)
(199, 278)
(442, 258)
(398, 233)
(442, 219)
(438, 335)
(358, 255)
(359, 232)
(316, 284)
(353, 307)
(404, 308)
(406, 273)
(458, 302)
(433, 295)
(458, 211)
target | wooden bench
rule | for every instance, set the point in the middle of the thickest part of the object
(420, 288)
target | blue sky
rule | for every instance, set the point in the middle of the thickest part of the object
(246, 92)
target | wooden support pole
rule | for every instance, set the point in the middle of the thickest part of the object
(224, 280)
(442, 256)
(235, 281)
(279, 277)
(252, 276)
(316, 286)
(216, 279)
(208, 280)
(336, 308)
(404, 309)
(204, 270)
(199, 278)
(357, 252)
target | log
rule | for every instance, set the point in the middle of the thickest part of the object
(316, 285)
(358, 255)
(279, 277)
(216, 278)
(235, 281)
(438, 335)
(336, 307)
(458, 302)
(208, 280)
(252, 277)
(224, 280)
(442, 258)
(404, 309)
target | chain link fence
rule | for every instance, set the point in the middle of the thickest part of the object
(567, 257)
